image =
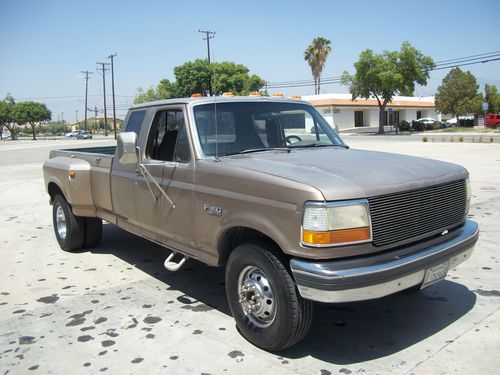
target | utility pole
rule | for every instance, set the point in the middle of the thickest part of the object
(103, 70)
(86, 72)
(113, 90)
(95, 119)
(209, 35)
(76, 116)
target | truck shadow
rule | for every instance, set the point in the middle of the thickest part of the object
(344, 333)
(356, 332)
(197, 281)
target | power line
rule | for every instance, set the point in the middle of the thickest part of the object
(465, 64)
(480, 54)
(444, 64)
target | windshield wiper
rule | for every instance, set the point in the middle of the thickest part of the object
(250, 150)
(315, 144)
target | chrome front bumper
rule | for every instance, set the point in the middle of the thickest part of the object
(380, 275)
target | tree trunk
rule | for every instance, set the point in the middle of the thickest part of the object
(381, 117)
(13, 132)
(319, 84)
(33, 130)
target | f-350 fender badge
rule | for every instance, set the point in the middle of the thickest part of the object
(212, 210)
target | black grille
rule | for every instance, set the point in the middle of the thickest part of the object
(401, 216)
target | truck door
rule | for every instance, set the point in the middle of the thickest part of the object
(166, 216)
(123, 178)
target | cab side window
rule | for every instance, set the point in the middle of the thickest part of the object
(135, 122)
(167, 139)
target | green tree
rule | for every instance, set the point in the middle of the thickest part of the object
(7, 116)
(492, 97)
(193, 77)
(316, 55)
(200, 77)
(229, 76)
(458, 94)
(31, 113)
(387, 74)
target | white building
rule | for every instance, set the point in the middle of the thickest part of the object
(342, 112)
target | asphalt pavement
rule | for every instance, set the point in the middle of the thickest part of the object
(115, 309)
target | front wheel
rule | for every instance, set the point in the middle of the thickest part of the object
(263, 299)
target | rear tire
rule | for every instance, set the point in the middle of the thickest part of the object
(268, 310)
(69, 229)
(93, 231)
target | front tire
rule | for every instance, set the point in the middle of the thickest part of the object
(268, 310)
(69, 229)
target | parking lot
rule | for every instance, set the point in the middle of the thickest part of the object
(115, 309)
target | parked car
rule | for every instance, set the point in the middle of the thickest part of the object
(426, 120)
(492, 120)
(73, 134)
(84, 135)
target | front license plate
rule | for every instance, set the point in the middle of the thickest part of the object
(434, 274)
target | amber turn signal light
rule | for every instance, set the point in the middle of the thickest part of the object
(333, 237)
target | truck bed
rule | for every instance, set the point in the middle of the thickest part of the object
(105, 150)
(90, 195)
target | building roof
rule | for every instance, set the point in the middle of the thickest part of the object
(345, 100)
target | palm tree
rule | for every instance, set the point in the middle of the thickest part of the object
(316, 55)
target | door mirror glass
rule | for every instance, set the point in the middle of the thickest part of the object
(127, 150)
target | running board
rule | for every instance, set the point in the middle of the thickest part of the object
(173, 266)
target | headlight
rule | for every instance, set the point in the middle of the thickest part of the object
(468, 195)
(337, 223)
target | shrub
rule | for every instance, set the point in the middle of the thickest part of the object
(424, 139)
(467, 123)
(461, 139)
(404, 126)
(417, 126)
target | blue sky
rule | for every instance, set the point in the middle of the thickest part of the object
(45, 44)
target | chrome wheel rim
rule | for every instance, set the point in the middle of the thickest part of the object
(256, 296)
(61, 226)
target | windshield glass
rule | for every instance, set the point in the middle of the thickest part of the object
(259, 126)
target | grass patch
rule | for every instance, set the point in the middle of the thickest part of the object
(468, 130)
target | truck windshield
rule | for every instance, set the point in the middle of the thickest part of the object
(260, 126)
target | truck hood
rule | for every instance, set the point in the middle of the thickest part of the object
(350, 174)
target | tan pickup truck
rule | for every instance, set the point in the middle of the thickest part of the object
(265, 188)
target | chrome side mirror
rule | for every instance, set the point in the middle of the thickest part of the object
(127, 150)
